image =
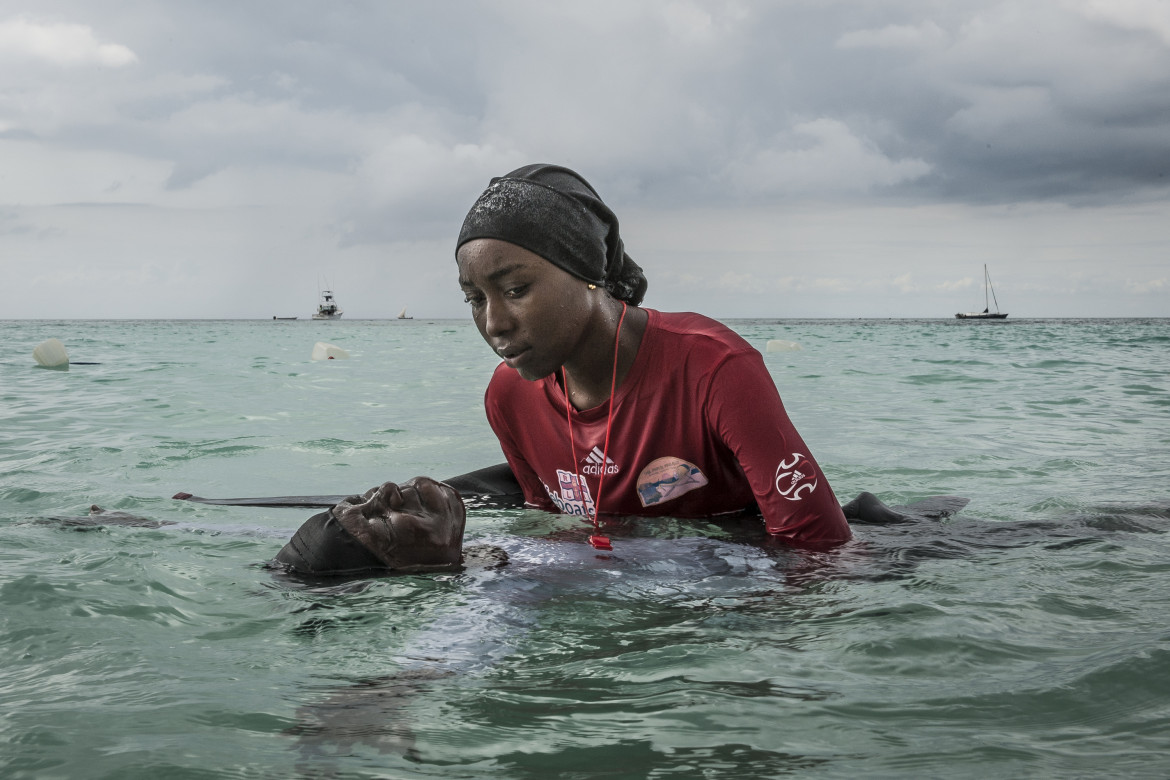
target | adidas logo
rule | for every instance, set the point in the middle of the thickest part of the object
(596, 456)
(595, 460)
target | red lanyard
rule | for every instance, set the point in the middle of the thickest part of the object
(598, 541)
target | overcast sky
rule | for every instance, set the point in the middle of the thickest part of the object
(804, 158)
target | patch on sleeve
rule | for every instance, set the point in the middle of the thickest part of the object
(796, 477)
(665, 479)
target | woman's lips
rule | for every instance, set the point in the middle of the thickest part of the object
(512, 356)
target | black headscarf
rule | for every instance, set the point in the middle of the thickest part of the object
(322, 546)
(553, 212)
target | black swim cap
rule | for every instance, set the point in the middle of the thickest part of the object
(553, 212)
(322, 546)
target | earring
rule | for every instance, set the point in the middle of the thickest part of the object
(592, 287)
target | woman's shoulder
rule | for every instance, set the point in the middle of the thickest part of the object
(506, 383)
(696, 330)
(506, 378)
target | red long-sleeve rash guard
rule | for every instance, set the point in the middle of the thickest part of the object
(698, 430)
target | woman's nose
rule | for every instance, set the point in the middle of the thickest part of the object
(392, 495)
(497, 320)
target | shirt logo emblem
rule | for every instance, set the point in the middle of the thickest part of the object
(594, 461)
(796, 477)
(665, 479)
(572, 496)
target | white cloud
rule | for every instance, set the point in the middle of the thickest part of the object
(904, 283)
(762, 283)
(688, 21)
(1152, 16)
(94, 98)
(1148, 287)
(965, 283)
(822, 156)
(60, 44)
(35, 174)
(895, 36)
(409, 167)
(831, 284)
(1041, 48)
(732, 281)
(409, 181)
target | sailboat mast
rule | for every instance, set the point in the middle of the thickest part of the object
(991, 287)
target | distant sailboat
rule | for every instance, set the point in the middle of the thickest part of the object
(987, 313)
(402, 315)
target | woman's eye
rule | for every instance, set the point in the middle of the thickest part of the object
(516, 292)
(474, 300)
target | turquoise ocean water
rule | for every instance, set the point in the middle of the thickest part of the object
(1029, 636)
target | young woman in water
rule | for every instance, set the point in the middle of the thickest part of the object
(604, 407)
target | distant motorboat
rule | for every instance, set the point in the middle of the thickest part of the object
(327, 309)
(282, 318)
(987, 313)
(402, 315)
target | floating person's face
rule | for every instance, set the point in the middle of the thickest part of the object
(415, 526)
(531, 312)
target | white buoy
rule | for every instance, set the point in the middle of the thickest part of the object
(780, 345)
(51, 353)
(323, 351)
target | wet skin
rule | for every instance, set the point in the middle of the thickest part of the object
(413, 526)
(538, 318)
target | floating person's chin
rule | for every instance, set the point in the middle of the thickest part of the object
(415, 526)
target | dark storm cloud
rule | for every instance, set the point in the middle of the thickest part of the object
(679, 103)
(831, 131)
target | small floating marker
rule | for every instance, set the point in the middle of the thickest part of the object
(323, 351)
(780, 345)
(51, 354)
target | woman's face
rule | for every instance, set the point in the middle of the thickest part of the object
(534, 315)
